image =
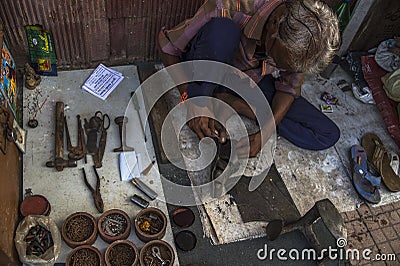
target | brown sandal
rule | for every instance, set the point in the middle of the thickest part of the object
(378, 156)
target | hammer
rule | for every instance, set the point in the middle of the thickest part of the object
(321, 225)
(59, 162)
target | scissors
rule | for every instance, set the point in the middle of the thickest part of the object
(102, 118)
(155, 251)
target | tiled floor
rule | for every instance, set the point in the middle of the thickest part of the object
(377, 229)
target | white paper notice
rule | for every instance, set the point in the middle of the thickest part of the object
(102, 81)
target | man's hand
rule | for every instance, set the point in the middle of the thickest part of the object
(204, 125)
(255, 146)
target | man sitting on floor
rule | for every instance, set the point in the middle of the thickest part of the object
(272, 41)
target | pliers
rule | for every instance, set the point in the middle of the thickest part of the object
(98, 201)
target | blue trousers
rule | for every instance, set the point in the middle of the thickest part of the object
(303, 125)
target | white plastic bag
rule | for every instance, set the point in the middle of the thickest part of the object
(387, 56)
(51, 255)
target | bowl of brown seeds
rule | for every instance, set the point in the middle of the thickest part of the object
(80, 228)
(84, 256)
(121, 253)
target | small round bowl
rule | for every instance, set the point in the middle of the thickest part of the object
(35, 205)
(84, 255)
(80, 228)
(150, 224)
(183, 217)
(121, 253)
(114, 225)
(166, 252)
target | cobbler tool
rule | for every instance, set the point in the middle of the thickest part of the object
(92, 128)
(141, 202)
(148, 168)
(322, 225)
(137, 108)
(76, 153)
(59, 162)
(98, 201)
(98, 156)
(121, 121)
(144, 188)
(82, 136)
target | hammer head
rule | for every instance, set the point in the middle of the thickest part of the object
(274, 229)
(60, 164)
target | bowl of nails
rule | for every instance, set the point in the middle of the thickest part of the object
(114, 225)
(80, 228)
(84, 256)
(157, 253)
(150, 224)
(121, 253)
(38, 241)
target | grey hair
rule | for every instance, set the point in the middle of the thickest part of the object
(310, 32)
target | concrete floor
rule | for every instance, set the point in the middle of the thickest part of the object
(66, 190)
(326, 174)
(309, 175)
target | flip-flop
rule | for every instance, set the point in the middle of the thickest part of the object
(364, 182)
(394, 162)
(378, 156)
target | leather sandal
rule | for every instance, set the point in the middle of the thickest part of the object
(366, 184)
(378, 155)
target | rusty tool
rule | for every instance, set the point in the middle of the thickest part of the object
(98, 201)
(59, 162)
(98, 156)
(76, 153)
(81, 134)
(322, 225)
(121, 121)
(92, 128)
(69, 144)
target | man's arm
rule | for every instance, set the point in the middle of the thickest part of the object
(168, 60)
(200, 124)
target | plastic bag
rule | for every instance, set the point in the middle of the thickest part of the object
(363, 94)
(387, 55)
(51, 255)
(391, 82)
(359, 87)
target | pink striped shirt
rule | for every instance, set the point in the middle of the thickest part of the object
(251, 16)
